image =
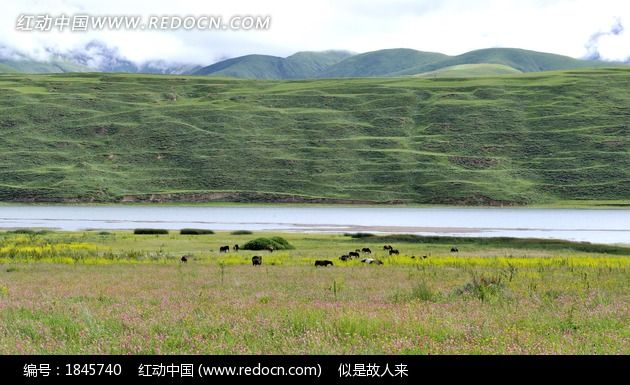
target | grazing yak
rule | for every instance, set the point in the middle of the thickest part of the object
(235, 248)
(454, 250)
(256, 260)
(344, 257)
(393, 251)
(184, 259)
(354, 254)
(366, 250)
(387, 247)
(224, 249)
(371, 261)
(323, 263)
(270, 248)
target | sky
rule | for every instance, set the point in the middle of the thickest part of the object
(577, 28)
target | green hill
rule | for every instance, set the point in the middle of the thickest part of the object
(298, 66)
(520, 59)
(313, 63)
(510, 140)
(381, 63)
(471, 70)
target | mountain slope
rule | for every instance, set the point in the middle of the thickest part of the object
(520, 59)
(313, 63)
(471, 70)
(250, 66)
(510, 140)
(381, 63)
(301, 65)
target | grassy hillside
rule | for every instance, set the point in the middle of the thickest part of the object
(519, 59)
(313, 63)
(471, 70)
(523, 139)
(298, 66)
(381, 63)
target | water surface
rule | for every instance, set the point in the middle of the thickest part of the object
(598, 226)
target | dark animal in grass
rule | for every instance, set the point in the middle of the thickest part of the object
(184, 259)
(393, 251)
(224, 249)
(424, 257)
(454, 250)
(344, 258)
(270, 248)
(256, 260)
(387, 247)
(323, 263)
(366, 250)
(353, 254)
(235, 247)
(371, 261)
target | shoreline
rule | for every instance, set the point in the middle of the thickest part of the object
(572, 204)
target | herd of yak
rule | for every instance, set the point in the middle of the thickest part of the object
(257, 259)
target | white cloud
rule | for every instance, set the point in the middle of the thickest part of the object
(451, 26)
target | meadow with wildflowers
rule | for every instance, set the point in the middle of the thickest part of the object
(96, 292)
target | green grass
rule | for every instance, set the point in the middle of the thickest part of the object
(531, 139)
(489, 299)
(516, 243)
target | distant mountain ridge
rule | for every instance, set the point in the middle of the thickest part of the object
(397, 62)
(98, 57)
(93, 57)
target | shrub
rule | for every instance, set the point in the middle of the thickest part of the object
(483, 287)
(241, 232)
(29, 232)
(358, 235)
(195, 231)
(150, 231)
(278, 243)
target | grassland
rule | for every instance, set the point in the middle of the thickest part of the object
(531, 139)
(116, 292)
